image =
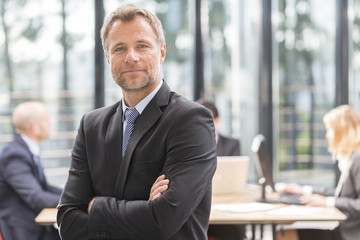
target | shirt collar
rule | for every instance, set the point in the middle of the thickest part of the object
(144, 102)
(33, 146)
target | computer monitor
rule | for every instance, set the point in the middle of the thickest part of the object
(230, 175)
(262, 162)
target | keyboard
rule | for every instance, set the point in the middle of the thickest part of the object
(286, 198)
(289, 198)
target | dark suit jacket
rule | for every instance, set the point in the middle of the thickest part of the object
(172, 136)
(22, 194)
(227, 146)
(348, 201)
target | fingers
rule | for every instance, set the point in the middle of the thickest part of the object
(159, 186)
(305, 200)
(293, 188)
(157, 193)
(162, 177)
(313, 200)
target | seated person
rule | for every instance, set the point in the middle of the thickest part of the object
(225, 146)
(24, 191)
(343, 136)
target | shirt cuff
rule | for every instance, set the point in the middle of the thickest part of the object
(330, 201)
(307, 190)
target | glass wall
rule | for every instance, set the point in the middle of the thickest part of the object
(46, 54)
(354, 53)
(231, 40)
(303, 88)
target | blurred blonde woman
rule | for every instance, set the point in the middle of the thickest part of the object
(343, 135)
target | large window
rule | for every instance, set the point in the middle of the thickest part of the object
(354, 53)
(46, 49)
(303, 88)
(231, 40)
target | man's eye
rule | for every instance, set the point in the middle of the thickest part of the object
(142, 46)
(119, 49)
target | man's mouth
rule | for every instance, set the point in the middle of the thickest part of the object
(133, 71)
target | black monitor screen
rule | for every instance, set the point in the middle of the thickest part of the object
(263, 166)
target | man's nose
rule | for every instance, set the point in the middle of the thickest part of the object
(132, 55)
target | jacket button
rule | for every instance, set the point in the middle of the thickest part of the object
(103, 235)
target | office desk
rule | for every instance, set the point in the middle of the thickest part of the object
(48, 215)
(251, 194)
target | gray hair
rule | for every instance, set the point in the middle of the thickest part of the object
(127, 13)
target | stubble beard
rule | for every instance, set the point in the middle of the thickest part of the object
(125, 86)
(126, 83)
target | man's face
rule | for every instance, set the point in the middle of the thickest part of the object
(134, 55)
(44, 125)
(40, 128)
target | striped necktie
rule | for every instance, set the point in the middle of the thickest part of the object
(40, 169)
(131, 115)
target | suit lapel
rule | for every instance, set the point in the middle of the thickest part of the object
(146, 120)
(32, 160)
(113, 143)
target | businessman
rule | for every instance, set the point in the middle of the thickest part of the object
(24, 191)
(120, 151)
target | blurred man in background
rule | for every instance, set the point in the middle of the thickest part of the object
(24, 191)
(225, 146)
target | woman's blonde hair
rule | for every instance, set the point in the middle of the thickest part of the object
(127, 13)
(344, 121)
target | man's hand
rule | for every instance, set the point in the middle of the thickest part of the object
(159, 186)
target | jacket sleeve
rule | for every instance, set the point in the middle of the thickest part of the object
(19, 175)
(326, 191)
(72, 217)
(349, 199)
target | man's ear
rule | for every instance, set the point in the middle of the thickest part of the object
(162, 53)
(107, 57)
(34, 129)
